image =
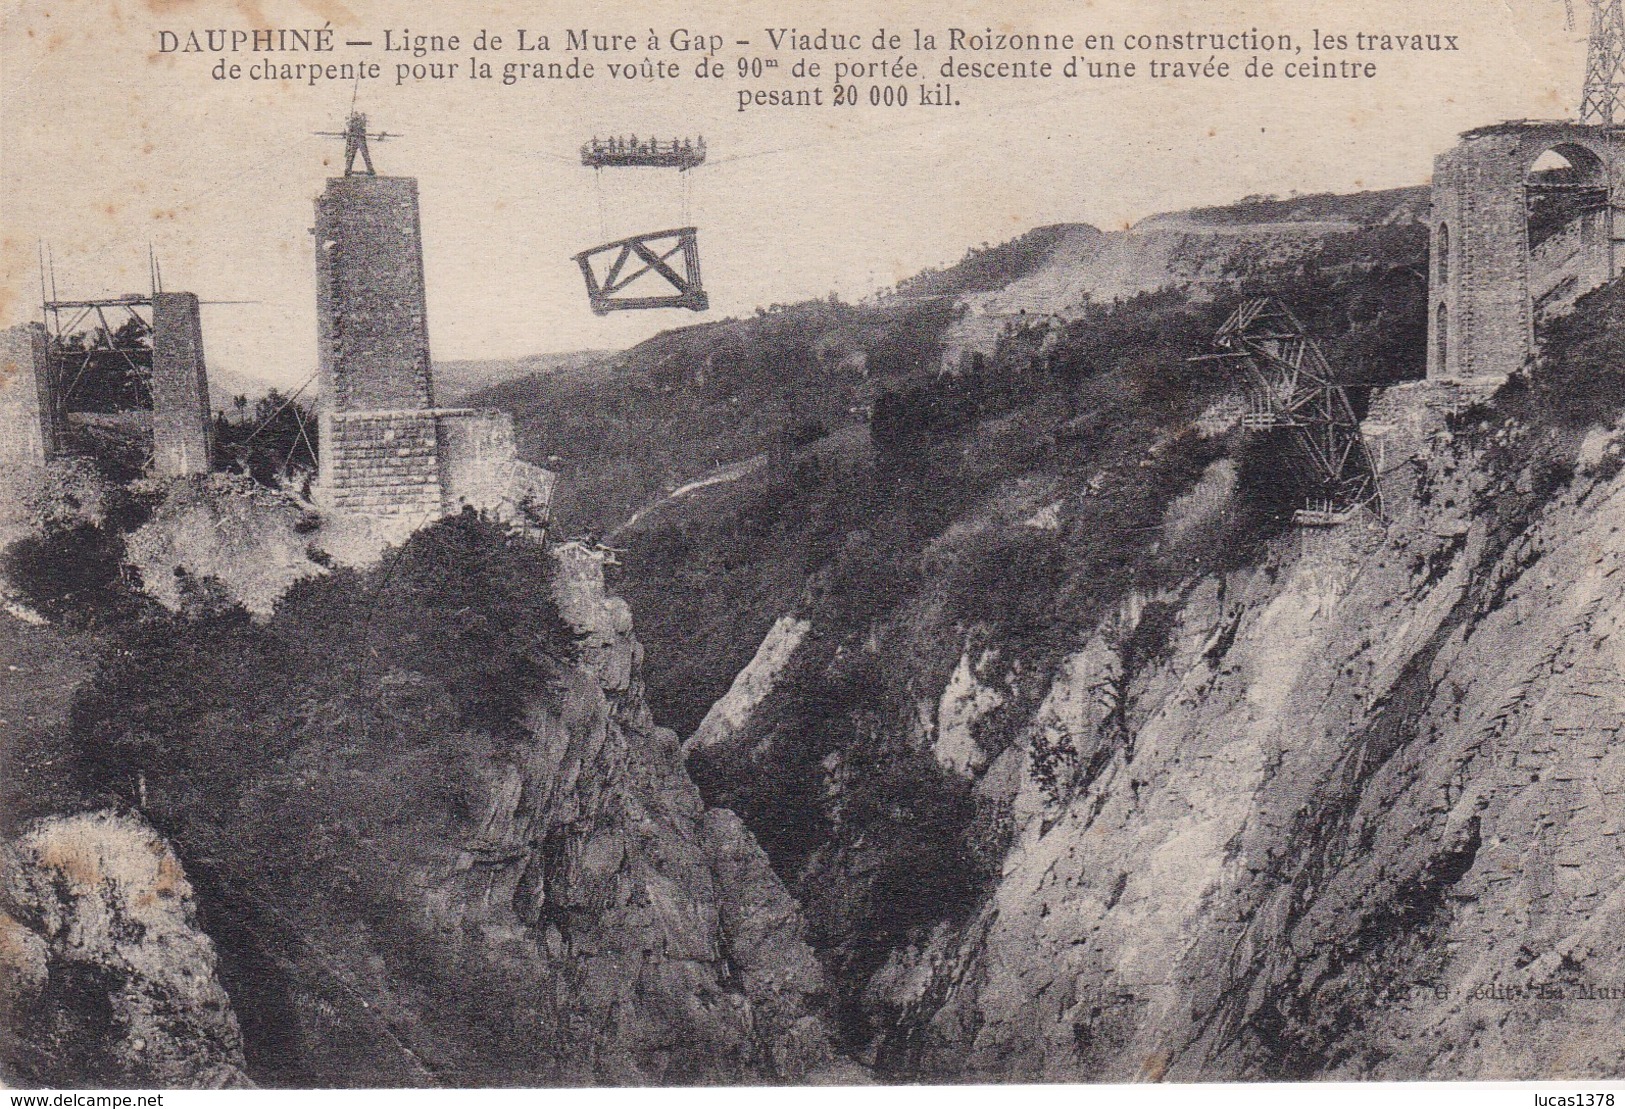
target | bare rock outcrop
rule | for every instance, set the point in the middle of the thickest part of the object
(226, 537)
(1359, 821)
(107, 978)
(574, 914)
(673, 952)
(1346, 811)
(413, 897)
(751, 686)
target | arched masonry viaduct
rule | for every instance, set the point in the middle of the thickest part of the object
(1512, 243)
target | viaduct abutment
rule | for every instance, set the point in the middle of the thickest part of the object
(1521, 227)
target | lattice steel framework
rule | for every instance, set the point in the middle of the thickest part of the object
(1605, 64)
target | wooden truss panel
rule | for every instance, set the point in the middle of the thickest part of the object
(647, 261)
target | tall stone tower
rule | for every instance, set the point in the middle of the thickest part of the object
(378, 442)
(1522, 226)
(182, 435)
(386, 450)
(371, 316)
(372, 320)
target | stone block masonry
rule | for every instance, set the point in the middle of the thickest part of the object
(475, 448)
(181, 430)
(430, 462)
(372, 321)
(27, 430)
(386, 451)
(383, 463)
(1489, 285)
(479, 469)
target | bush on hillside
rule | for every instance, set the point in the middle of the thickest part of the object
(70, 567)
(457, 631)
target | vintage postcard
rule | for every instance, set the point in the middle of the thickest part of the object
(548, 544)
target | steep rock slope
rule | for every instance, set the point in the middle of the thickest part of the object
(434, 834)
(751, 686)
(652, 927)
(1047, 400)
(106, 973)
(1361, 820)
(1244, 800)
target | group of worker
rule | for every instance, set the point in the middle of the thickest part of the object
(631, 145)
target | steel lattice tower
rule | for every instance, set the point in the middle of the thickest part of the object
(1605, 64)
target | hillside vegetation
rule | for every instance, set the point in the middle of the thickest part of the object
(1044, 406)
(421, 811)
(1088, 764)
(1076, 759)
(698, 397)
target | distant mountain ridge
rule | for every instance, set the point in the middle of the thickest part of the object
(457, 380)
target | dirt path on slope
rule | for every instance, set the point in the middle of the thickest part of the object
(721, 475)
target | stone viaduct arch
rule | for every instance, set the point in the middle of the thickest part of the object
(1521, 227)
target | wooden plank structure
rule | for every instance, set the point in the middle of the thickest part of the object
(664, 265)
(1292, 394)
(678, 154)
(115, 350)
(640, 256)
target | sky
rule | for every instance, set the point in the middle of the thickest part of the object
(109, 144)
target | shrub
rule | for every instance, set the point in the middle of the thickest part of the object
(273, 444)
(71, 570)
(457, 630)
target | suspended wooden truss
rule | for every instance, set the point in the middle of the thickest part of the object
(663, 265)
(1292, 394)
(647, 259)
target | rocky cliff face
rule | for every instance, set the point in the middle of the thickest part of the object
(108, 980)
(652, 927)
(751, 686)
(1358, 817)
(399, 895)
(1347, 809)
